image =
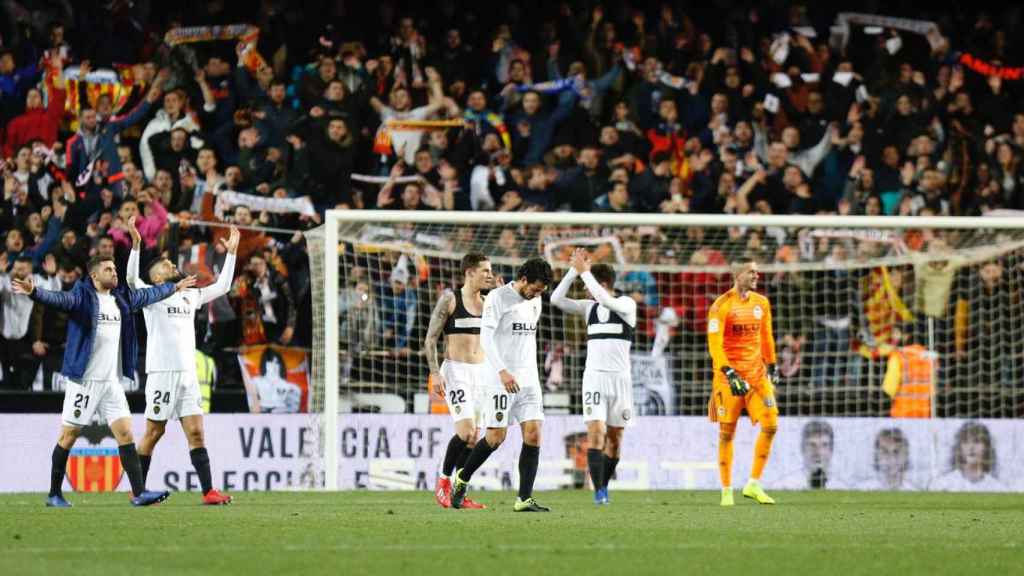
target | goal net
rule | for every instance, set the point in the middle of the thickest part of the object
(847, 293)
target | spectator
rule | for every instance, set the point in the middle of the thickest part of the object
(639, 285)
(173, 114)
(252, 240)
(579, 187)
(19, 364)
(264, 302)
(327, 161)
(48, 327)
(398, 310)
(38, 123)
(96, 139)
(615, 200)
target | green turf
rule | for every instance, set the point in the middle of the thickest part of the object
(406, 533)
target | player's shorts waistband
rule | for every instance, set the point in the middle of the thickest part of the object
(607, 372)
(90, 382)
(467, 364)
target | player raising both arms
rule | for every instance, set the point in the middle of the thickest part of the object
(511, 393)
(743, 353)
(607, 377)
(460, 378)
(172, 386)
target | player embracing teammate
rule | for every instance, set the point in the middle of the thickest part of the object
(743, 353)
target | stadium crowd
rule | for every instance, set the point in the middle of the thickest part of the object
(112, 109)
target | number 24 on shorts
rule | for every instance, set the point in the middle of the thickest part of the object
(161, 397)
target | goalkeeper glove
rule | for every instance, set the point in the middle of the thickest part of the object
(773, 374)
(737, 384)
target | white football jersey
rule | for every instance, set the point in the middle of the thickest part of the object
(611, 322)
(170, 323)
(105, 357)
(610, 337)
(510, 322)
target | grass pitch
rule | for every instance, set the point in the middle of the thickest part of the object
(406, 533)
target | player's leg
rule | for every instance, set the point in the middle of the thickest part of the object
(160, 400)
(494, 407)
(188, 408)
(465, 433)
(80, 403)
(596, 432)
(462, 457)
(192, 425)
(481, 452)
(462, 407)
(529, 461)
(763, 411)
(154, 432)
(113, 407)
(595, 414)
(620, 415)
(59, 465)
(612, 450)
(726, 434)
(528, 410)
(473, 389)
(725, 409)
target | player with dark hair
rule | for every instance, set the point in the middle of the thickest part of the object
(508, 336)
(607, 377)
(743, 352)
(460, 378)
(101, 350)
(172, 385)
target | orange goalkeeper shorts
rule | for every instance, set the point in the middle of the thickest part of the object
(724, 407)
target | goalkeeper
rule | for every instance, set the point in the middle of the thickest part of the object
(743, 353)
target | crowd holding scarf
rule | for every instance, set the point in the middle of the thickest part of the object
(488, 118)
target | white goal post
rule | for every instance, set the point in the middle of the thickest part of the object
(836, 254)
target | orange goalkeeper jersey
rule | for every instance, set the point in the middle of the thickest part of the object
(740, 335)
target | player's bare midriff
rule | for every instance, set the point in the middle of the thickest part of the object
(464, 348)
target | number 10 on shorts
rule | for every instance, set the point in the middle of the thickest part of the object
(500, 401)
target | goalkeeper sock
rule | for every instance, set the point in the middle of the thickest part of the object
(59, 466)
(130, 463)
(201, 462)
(145, 460)
(762, 449)
(609, 468)
(456, 446)
(529, 458)
(477, 457)
(725, 436)
(595, 462)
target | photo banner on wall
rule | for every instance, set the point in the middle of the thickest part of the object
(276, 379)
(404, 452)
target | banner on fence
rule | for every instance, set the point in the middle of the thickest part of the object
(403, 452)
(276, 379)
